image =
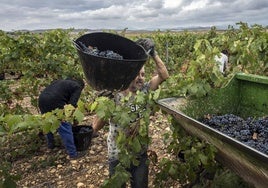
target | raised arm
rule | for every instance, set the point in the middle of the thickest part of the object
(161, 70)
(162, 73)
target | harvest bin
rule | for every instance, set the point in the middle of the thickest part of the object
(106, 73)
(82, 136)
(245, 95)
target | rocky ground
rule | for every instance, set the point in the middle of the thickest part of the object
(54, 169)
(42, 167)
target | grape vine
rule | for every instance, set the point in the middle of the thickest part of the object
(30, 61)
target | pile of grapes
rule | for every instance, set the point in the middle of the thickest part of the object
(250, 131)
(84, 130)
(96, 52)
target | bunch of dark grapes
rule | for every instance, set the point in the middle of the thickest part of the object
(84, 130)
(96, 52)
(252, 132)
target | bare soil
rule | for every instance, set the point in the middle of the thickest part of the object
(43, 167)
(53, 168)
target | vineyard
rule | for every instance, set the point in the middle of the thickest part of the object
(30, 61)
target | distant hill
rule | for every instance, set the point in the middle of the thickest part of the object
(198, 28)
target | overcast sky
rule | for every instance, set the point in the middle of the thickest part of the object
(131, 14)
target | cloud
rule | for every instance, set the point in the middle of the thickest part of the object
(138, 14)
(172, 3)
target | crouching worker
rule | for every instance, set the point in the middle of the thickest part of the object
(56, 95)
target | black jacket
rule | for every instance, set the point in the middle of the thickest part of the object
(58, 94)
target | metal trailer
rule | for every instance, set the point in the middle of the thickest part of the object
(245, 95)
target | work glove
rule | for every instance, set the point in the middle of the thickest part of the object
(148, 45)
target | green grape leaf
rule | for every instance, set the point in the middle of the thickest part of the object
(143, 128)
(93, 106)
(68, 110)
(136, 146)
(78, 115)
(203, 158)
(81, 106)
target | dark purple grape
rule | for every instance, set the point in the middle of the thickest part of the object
(242, 130)
(94, 51)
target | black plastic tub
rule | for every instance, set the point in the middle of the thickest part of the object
(106, 73)
(82, 136)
